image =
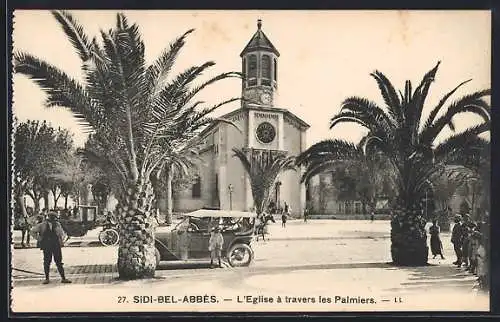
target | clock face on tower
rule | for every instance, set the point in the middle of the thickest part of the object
(266, 132)
(265, 98)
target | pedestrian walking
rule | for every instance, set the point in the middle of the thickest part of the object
(457, 239)
(436, 245)
(50, 238)
(215, 246)
(283, 219)
(372, 216)
(466, 240)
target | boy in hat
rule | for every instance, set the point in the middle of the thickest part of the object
(50, 236)
(215, 246)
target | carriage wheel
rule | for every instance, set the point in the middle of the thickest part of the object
(109, 237)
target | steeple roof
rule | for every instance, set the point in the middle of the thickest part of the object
(259, 41)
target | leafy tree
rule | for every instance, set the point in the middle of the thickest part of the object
(62, 147)
(37, 146)
(411, 146)
(131, 108)
(263, 168)
(73, 174)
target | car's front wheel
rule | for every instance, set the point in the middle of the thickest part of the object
(240, 255)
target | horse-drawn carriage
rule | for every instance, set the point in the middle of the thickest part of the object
(85, 218)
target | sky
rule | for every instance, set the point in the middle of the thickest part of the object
(326, 56)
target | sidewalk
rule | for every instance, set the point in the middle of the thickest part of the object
(391, 288)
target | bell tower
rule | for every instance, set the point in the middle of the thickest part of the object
(260, 70)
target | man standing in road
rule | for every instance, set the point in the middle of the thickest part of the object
(50, 236)
(457, 240)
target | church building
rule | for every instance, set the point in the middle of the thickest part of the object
(262, 127)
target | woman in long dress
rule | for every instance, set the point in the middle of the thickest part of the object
(436, 245)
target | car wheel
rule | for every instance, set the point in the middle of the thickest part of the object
(240, 255)
(157, 256)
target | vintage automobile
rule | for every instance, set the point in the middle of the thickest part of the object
(188, 240)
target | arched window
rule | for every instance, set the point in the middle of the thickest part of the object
(252, 66)
(266, 70)
(266, 67)
(196, 188)
(275, 70)
(244, 67)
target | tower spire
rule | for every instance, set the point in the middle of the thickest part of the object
(259, 24)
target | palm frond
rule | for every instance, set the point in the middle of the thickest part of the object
(75, 33)
(441, 103)
(367, 114)
(390, 96)
(316, 168)
(464, 140)
(470, 103)
(159, 70)
(61, 90)
(415, 108)
(329, 149)
(242, 156)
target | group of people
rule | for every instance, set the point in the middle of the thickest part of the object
(285, 211)
(26, 222)
(470, 246)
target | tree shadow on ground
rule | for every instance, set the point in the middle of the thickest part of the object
(437, 277)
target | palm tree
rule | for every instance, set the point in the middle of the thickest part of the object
(411, 147)
(179, 163)
(263, 168)
(130, 108)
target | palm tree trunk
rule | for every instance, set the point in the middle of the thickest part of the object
(168, 194)
(136, 251)
(66, 202)
(408, 238)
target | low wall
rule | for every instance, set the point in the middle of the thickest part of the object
(350, 217)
